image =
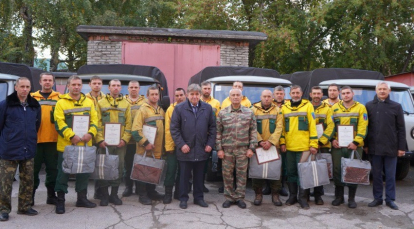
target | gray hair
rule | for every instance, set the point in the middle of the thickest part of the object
(236, 89)
(279, 88)
(73, 77)
(194, 88)
(383, 82)
(21, 79)
(295, 86)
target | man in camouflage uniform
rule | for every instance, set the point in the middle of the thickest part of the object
(236, 140)
(269, 129)
(20, 120)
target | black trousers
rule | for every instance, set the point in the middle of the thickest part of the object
(186, 167)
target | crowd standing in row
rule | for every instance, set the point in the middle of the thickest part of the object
(191, 128)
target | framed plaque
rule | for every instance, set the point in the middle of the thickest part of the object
(150, 132)
(264, 156)
(319, 129)
(80, 124)
(112, 133)
(345, 135)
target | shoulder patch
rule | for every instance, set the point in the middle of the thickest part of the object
(365, 116)
(336, 109)
(313, 115)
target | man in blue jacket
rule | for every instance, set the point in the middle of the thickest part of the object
(193, 129)
(20, 116)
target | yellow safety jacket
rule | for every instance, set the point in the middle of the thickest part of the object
(65, 108)
(244, 102)
(95, 99)
(323, 115)
(114, 110)
(356, 115)
(47, 131)
(149, 116)
(214, 103)
(327, 102)
(169, 142)
(135, 105)
(269, 123)
(299, 129)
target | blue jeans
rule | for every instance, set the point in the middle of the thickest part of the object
(389, 166)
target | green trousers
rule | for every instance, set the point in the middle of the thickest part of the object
(113, 150)
(62, 179)
(172, 176)
(292, 160)
(46, 153)
(337, 154)
(7, 172)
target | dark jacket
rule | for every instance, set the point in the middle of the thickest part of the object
(196, 132)
(18, 128)
(386, 128)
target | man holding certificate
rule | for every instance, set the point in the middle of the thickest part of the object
(114, 132)
(351, 122)
(299, 137)
(149, 116)
(76, 122)
(269, 129)
(324, 128)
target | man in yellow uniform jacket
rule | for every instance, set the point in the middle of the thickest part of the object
(347, 112)
(73, 103)
(113, 109)
(299, 135)
(244, 102)
(135, 100)
(46, 137)
(95, 83)
(323, 118)
(208, 98)
(172, 177)
(333, 95)
(269, 129)
(149, 114)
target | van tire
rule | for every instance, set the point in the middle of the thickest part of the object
(403, 167)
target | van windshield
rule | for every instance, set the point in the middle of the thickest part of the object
(3, 90)
(400, 96)
(252, 92)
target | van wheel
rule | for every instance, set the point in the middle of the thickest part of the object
(403, 167)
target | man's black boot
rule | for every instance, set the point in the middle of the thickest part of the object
(83, 201)
(351, 197)
(318, 192)
(339, 196)
(60, 205)
(303, 198)
(152, 193)
(168, 195)
(104, 196)
(142, 193)
(293, 192)
(128, 187)
(113, 198)
(51, 196)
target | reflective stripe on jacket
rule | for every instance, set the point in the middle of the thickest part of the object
(47, 131)
(269, 123)
(135, 105)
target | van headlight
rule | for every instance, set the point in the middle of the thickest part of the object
(412, 133)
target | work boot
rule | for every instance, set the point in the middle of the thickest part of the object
(33, 196)
(318, 192)
(113, 198)
(142, 193)
(322, 192)
(275, 199)
(351, 197)
(83, 201)
(339, 196)
(266, 190)
(97, 194)
(303, 198)
(168, 195)
(51, 196)
(176, 193)
(259, 196)
(104, 196)
(60, 204)
(293, 192)
(152, 193)
(283, 191)
(128, 187)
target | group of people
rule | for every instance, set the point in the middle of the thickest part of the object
(35, 129)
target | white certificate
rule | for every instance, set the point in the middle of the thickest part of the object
(150, 132)
(319, 129)
(264, 156)
(345, 135)
(113, 133)
(80, 124)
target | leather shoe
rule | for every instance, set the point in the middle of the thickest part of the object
(392, 205)
(29, 212)
(227, 204)
(201, 203)
(183, 204)
(4, 216)
(241, 204)
(375, 203)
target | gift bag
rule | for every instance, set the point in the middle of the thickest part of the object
(106, 167)
(269, 170)
(148, 169)
(313, 173)
(328, 158)
(355, 171)
(79, 159)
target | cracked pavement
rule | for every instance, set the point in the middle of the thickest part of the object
(134, 215)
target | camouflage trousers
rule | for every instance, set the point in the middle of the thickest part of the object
(235, 158)
(113, 150)
(7, 172)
